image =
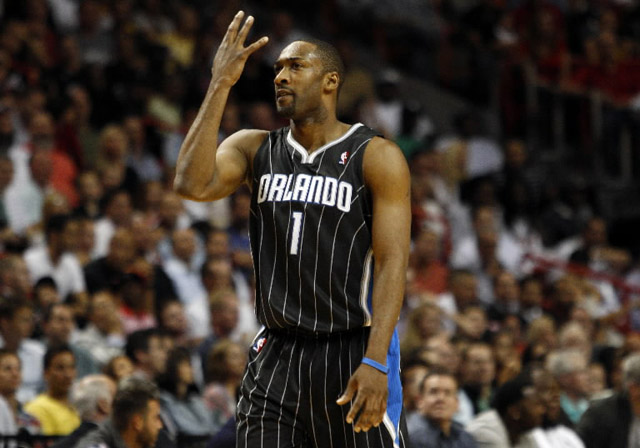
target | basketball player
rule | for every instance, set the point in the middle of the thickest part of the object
(329, 236)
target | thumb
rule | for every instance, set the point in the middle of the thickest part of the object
(348, 393)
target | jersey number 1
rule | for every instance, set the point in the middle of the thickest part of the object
(296, 217)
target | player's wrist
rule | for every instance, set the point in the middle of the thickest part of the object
(382, 368)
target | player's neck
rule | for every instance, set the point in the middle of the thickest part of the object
(313, 134)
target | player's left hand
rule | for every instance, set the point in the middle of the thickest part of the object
(369, 387)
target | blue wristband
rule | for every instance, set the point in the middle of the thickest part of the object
(376, 365)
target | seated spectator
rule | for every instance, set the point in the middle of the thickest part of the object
(136, 303)
(16, 326)
(611, 422)
(225, 367)
(118, 368)
(433, 424)
(146, 350)
(53, 259)
(223, 309)
(103, 336)
(424, 322)
(556, 426)
(53, 407)
(515, 411)
(135, 417)
(477, 375)
(506, 302)
(569, 368)
(107, 272)
(58, 326)
(412, 373)
(461, 293)
(92, 397)
(180, 399)
(427, 272)
(12, 417)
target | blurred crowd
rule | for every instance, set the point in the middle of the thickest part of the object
(514, 283)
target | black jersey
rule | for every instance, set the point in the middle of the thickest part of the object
(310, 233)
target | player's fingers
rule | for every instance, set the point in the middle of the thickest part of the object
(244, 31)
(356, 408)
(232, 31)
(348, 393)
(257, 45)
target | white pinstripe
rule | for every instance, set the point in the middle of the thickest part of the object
(326, 399)
(364, 287)
(346, 274)
(315, 271)
(246, 436)
(295, 417)
(275, 234)
(313, 418)
(284, 391)
(266, 393)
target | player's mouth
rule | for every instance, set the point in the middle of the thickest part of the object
(283, 92)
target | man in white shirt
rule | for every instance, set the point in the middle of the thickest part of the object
(53, 260)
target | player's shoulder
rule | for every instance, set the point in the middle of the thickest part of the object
(382, 153)
(247, 141)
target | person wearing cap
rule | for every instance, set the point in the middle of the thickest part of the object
(515, 411)
(614, 422)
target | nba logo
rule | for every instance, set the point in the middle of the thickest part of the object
(259, 344)
(344, 157)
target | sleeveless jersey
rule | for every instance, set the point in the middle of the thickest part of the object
(310, 229)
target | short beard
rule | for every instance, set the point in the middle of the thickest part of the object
(287, 111)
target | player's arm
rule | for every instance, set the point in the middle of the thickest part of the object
(205, 171)
(387, 177)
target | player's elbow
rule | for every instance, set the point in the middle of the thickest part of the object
(186, 189)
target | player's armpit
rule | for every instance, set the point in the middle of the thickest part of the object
(233, 161)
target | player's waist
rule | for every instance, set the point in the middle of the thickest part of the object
(318, 335)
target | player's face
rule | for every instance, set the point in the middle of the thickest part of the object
(298, 82)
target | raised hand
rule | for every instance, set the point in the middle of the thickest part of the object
(232, 55)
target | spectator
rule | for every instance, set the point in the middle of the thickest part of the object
(427, 272)
(477, 375)
(135, 419)
(556, 426)
(569, 367)
(53, 260)
(610, 422)
(118, 368)
(16, 326)
(223, 306)
(108, 272)
(136, 303)
(118, 212)
(13, 418)
(433, 425)
(147, 352)
(103, 337)
(180, 398)
(424, 322)
(516, 411)
(58, 326)
(225, 367)
(53, 407)
(92, 397)
(413, 371)
(462, 292)
(183, 268)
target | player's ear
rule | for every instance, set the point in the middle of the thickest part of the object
(332, 81)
